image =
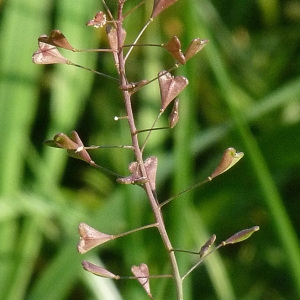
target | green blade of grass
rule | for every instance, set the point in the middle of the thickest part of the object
(18, 85)
(184, 163)
(7, 247)
(27, 250)
(279, 98)
(18, 102)
(282, 223)
(56, 281)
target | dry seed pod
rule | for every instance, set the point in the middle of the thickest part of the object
(195, 46)
(174, 116)
(137, 178)
(204, 249)
(48, 54)
(170, 87)
(80, 152)
(56, 38)
(61, 140)
(90, 238)
(73, 145)
(161, 5)
(173, 46)
(97, 270)
(151, 168)
(229, 159)
(141, 273)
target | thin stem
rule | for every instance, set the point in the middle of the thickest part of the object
(92, 50)
(93, 164)
(138, 37)
(139, 158)
(149, 133)
(135, 230)
(185, 251)
(142, 45)
(96, 72)
(201, 260)
(107, 147)
(133, 9)
(152, 129)
(149, 277)
(184, 191)
(108, 10)
(153, 79)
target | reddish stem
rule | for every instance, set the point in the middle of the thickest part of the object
(139, 157)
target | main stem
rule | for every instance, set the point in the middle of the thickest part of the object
(139, 158)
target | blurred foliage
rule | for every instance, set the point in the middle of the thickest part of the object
(244, 92)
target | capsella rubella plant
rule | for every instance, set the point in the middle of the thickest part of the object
(142, 171)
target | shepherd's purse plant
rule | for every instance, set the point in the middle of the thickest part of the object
(142, 170)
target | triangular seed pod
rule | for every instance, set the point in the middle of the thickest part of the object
(151, 168)
(56, 38)
(133, 168)
(195, 46)
(90, 238)
(97, 270)
(170, 87)
(75, 137)
(61, 140)
(229, 159)
(80, 152)
(161, 5)
(135, 178)
(75, 148)
(48, 54)
(173, 46)
(141, 273)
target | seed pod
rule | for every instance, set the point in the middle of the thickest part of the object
(241, 235)
(204, 249)
(174, 116)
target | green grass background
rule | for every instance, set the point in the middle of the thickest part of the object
(244, 93)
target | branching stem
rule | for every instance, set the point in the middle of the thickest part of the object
(139, 158)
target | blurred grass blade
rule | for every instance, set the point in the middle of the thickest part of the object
(271, 196)
(27, 250)
(182, 209)
(59, 277)
(18, 86)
